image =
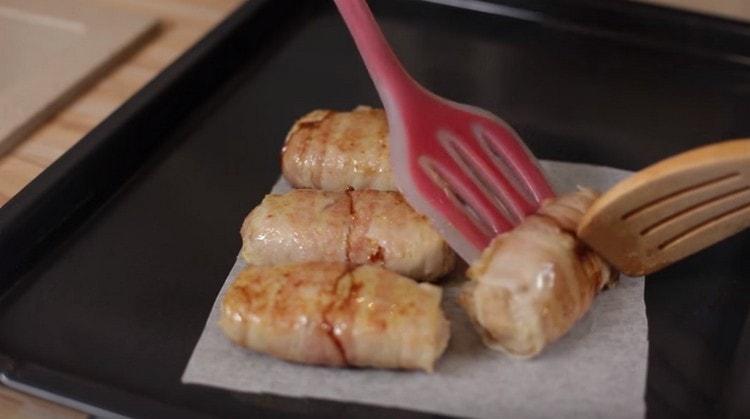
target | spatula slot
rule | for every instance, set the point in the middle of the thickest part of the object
(680, 193)
(677, 215)
(738, 212)
(483, 180)
(494, 149)
(439, 177)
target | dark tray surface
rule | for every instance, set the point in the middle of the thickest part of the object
(119, 301)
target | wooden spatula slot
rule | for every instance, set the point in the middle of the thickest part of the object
(681, 215)
(706, 226)
(673, 208)
(690, 221)
(702, 188)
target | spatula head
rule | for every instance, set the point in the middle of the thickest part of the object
(672, 209)
(461, 166)
(464, 168)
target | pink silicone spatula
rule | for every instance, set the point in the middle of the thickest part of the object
(461, 166)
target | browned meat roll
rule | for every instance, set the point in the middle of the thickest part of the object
(336, 151)
(357, 227)
(331, 314)
(533, 283)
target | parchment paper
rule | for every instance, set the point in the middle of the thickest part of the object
(597, 370)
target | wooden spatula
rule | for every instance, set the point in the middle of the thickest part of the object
(672, 209)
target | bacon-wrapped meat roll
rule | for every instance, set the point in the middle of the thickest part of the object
(533, 283)
(328, 313)
(357, 227)
(337, 151)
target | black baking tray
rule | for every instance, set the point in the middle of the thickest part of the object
(111, 259)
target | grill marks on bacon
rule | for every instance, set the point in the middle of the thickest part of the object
(350, 226)
(327, 323)
(335, 151)
(333, 314)
(356, 227)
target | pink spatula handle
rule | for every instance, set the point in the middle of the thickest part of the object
(386, 72)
